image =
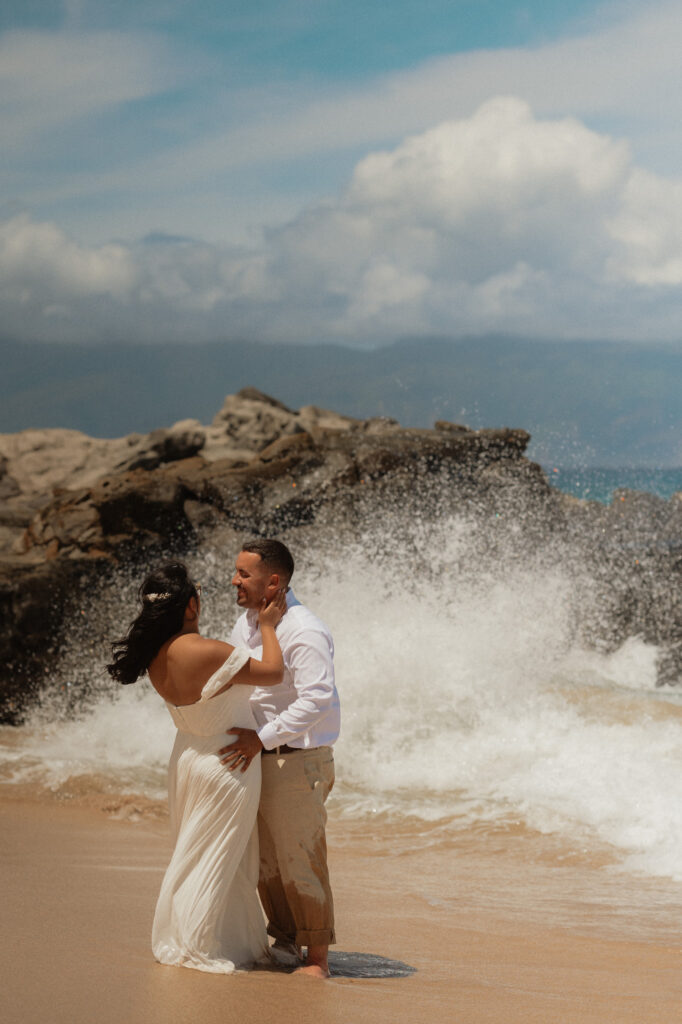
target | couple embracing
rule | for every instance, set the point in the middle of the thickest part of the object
(250, 770)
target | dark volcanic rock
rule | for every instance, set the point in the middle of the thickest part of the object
(632, 550)
(9, 488)
(37, 602)
(291, 479)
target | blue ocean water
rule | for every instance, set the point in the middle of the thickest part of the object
(597, 484)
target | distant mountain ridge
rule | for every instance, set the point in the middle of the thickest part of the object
(584, 403)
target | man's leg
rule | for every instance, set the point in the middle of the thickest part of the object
(294, 884)
(281, 925)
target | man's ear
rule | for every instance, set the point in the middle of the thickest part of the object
(274, 581)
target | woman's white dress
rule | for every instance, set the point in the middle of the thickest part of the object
(208, 915)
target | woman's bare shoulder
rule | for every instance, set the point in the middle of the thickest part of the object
(192, 651)
(184, 641)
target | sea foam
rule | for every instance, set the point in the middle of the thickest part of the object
(467, 697)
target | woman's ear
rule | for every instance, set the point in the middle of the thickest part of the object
(192, 610)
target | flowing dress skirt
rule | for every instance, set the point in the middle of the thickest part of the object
(208, 915)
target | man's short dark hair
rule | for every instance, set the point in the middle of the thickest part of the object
(274, 554)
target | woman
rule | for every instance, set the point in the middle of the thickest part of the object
(208, 915)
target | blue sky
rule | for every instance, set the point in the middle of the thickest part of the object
(334, 171)
(329, 38)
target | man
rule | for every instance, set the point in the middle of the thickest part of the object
(297, 723)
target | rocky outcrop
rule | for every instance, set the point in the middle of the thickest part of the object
(73, 509)
(250, 421)
(36, 465)
(632, 552)
(284, 485)
(70, 495)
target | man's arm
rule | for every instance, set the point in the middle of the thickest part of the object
(310, 659)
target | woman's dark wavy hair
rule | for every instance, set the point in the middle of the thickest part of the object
(164, 596)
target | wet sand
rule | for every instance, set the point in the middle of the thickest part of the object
(472, 932)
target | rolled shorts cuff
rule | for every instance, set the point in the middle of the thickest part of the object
(321, 937)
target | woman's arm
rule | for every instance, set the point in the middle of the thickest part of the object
(196, 658)
(270, 670)
(191, 660)
(266, 672)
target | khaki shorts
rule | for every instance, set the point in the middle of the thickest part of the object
(294, 879)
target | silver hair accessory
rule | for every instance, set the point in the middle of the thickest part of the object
(155, 597)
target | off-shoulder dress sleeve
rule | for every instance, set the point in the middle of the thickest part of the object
(226, 672)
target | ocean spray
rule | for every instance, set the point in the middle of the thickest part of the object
(469, 696)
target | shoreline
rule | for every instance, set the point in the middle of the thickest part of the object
(476, 931)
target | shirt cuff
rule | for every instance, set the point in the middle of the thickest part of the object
(267, 734)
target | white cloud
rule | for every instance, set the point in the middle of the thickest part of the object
(501, 221)
(41, 262)
(500, 173)
(649, 227)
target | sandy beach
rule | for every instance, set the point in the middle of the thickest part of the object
(428, 932)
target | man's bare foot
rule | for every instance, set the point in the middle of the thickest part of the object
(315, 965)
(313, 971)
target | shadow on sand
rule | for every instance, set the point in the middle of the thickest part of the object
(367, 965)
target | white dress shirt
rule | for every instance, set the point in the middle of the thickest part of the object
(303, 710)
